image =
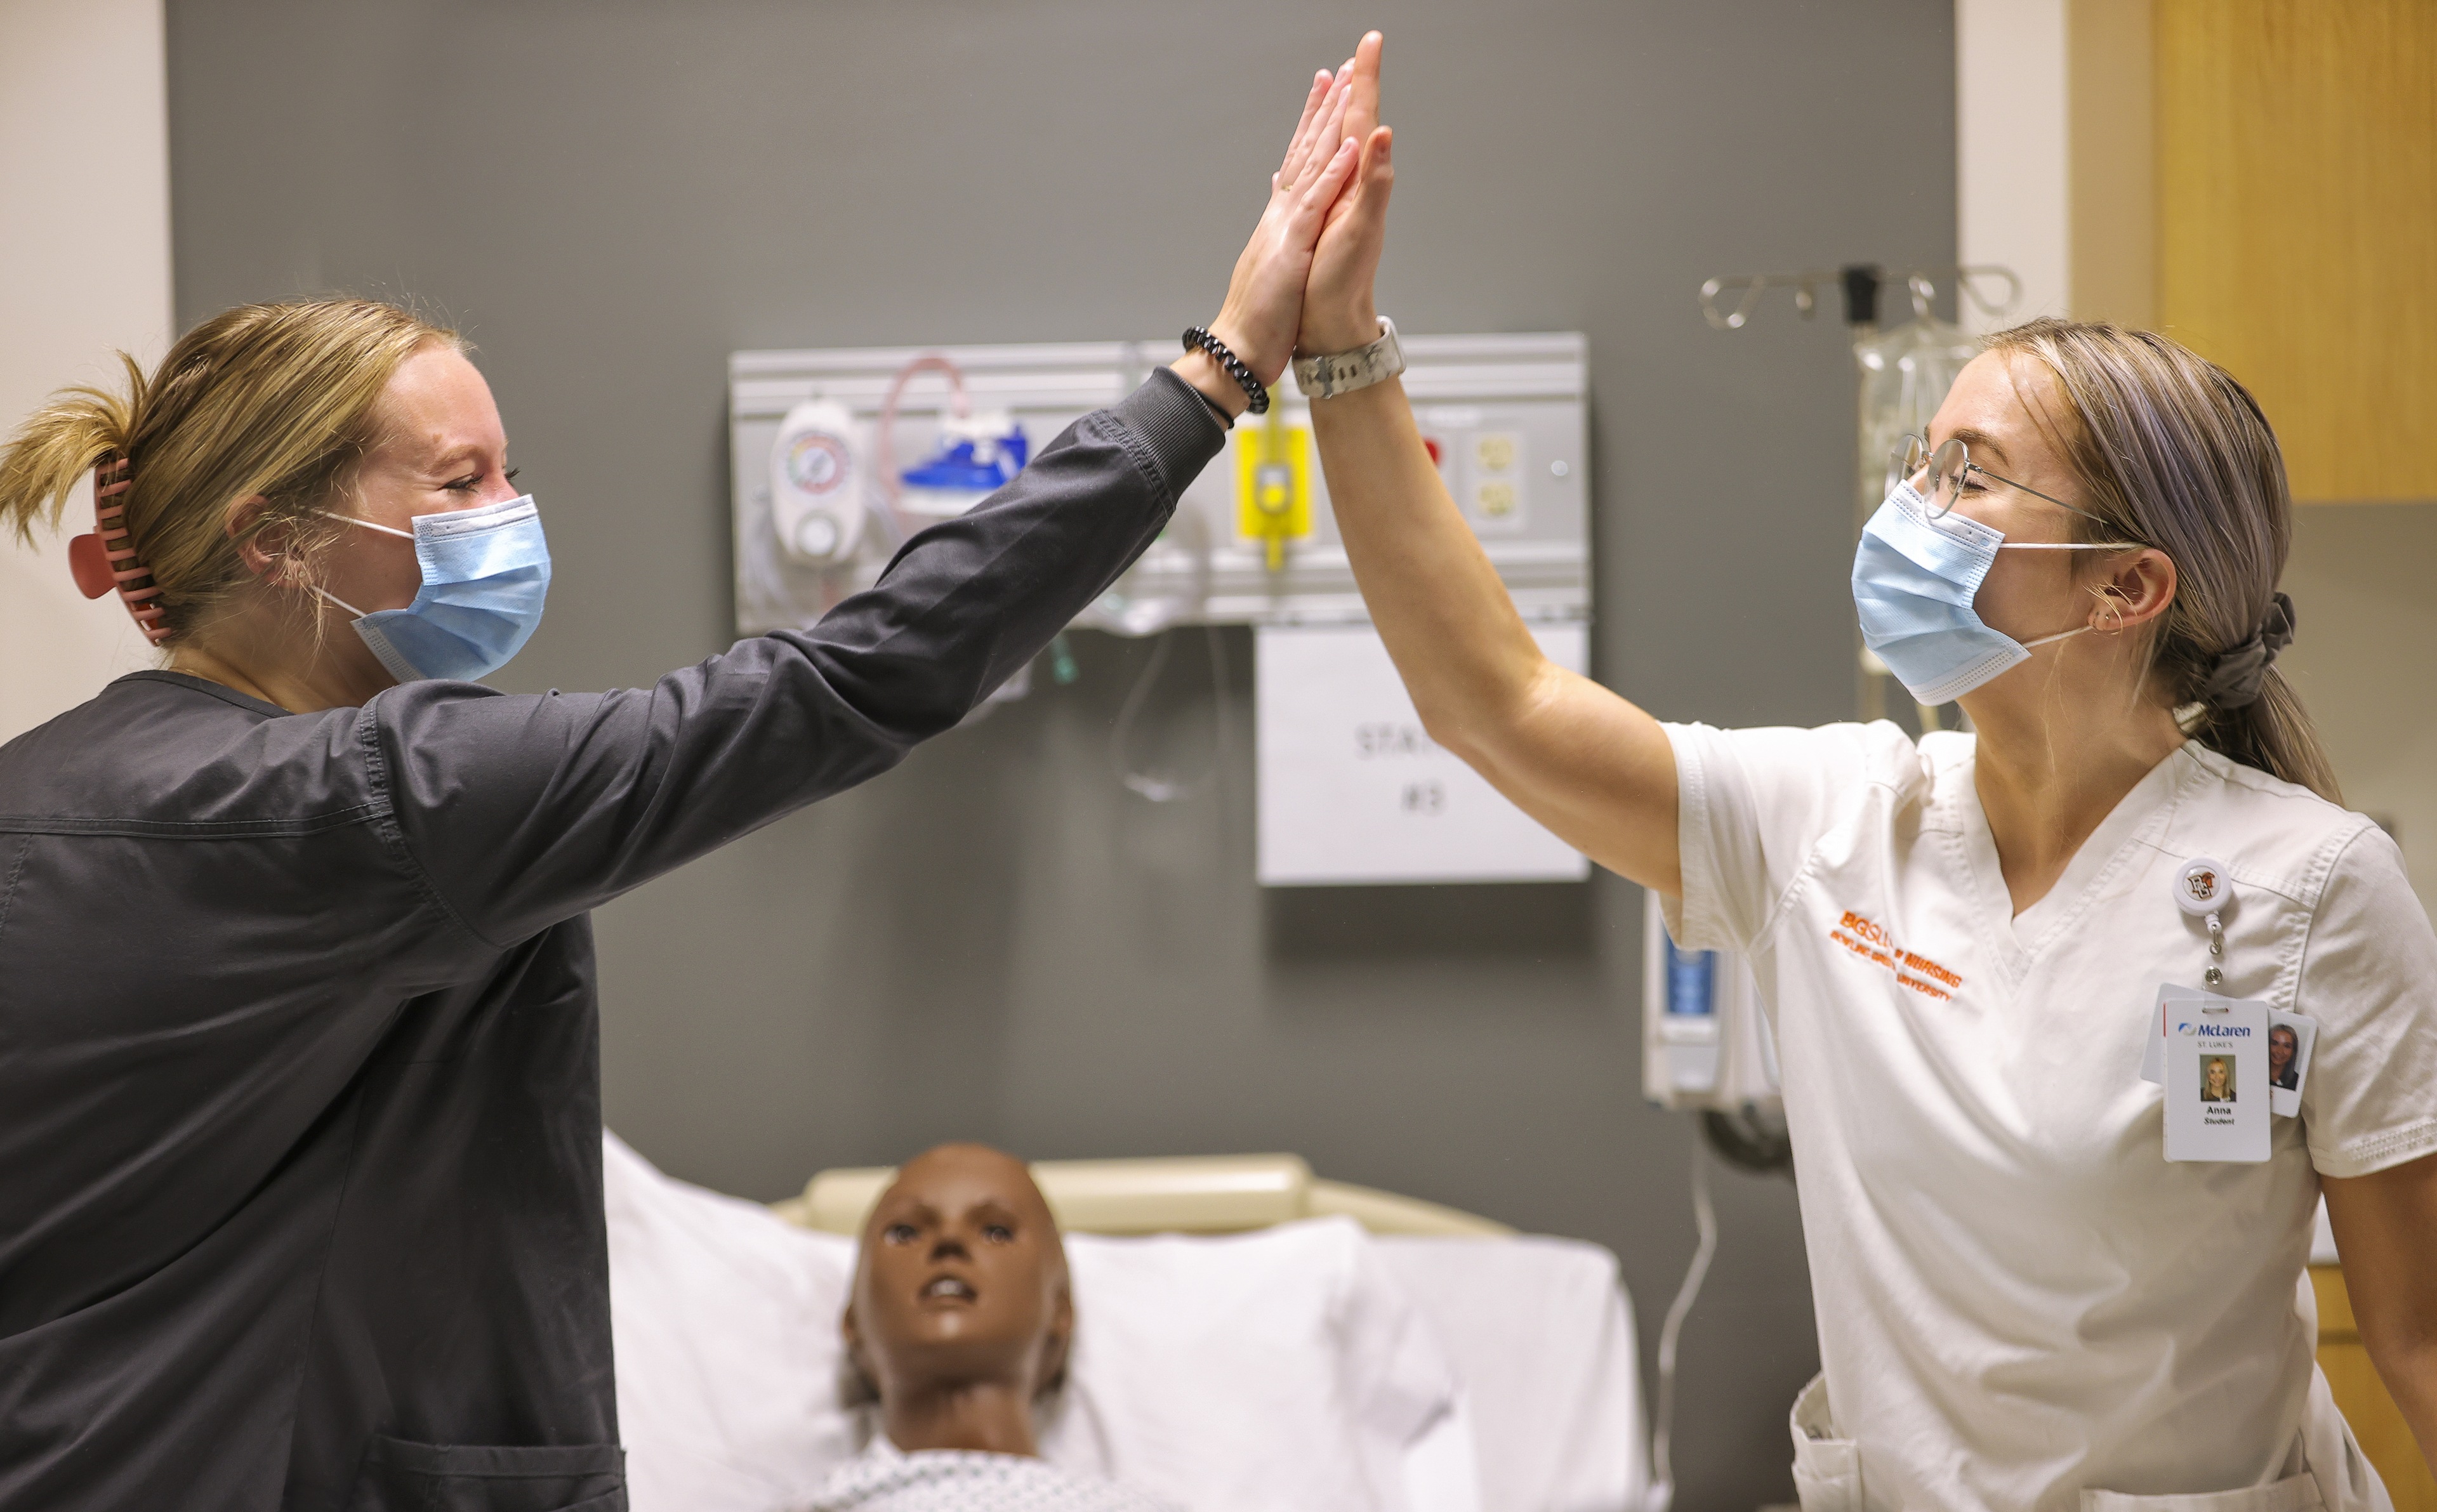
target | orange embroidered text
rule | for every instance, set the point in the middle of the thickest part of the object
(1870, 940)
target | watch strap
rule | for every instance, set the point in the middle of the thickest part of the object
(1332, 373)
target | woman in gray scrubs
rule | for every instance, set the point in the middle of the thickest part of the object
(300, 1183)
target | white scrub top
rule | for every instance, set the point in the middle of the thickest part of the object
(2018, 1298)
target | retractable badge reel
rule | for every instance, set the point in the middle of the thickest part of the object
(2201, 892)
(2211, 1052)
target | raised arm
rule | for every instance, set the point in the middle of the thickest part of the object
(521, 812)
(1595, 769)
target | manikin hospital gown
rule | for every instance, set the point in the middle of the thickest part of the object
(886, 1479)
(300, 1126)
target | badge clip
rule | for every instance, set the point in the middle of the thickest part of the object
(2202, 890)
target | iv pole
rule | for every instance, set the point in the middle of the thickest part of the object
(1903, 375)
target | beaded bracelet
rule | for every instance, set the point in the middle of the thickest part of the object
(1198, 339)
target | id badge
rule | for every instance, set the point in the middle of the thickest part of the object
(2218, 1091)
(2291, 1037)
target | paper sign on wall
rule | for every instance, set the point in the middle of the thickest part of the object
(1351, 791)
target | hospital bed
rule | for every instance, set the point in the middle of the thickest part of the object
(1250, 1337)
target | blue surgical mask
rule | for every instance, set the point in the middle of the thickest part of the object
(485, 573)
(1914, 580)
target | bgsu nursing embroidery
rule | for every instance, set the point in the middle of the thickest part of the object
(1870, 940)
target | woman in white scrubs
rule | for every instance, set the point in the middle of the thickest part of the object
(1961, 939)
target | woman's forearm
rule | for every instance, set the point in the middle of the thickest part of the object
(1465, 653)
(1598, 772)
(2383, 1223)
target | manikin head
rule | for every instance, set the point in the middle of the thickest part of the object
(2217, 1079)
(2281, 1044)
(960, 1292)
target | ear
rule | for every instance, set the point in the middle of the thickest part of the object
(853, 1336)
(264, 552)
(1059, 1343)
(857, 1360)
(2134, 589)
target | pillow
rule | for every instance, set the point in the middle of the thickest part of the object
(725, 1319)
(1281, 1368)
(1539, 1330)
(1284, 1369)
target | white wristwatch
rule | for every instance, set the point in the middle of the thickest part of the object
(1325, 378)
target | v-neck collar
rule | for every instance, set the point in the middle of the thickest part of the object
(2019, 939)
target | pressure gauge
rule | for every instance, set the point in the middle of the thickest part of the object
(816, 483)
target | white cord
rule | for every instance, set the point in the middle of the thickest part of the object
(1705, 1218)
(1151, 785)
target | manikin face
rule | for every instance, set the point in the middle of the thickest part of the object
(2214, 1077)
(2281, 1046)
(961, 1279)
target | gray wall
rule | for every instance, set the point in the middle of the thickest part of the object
(2365, 652)
(996, 941)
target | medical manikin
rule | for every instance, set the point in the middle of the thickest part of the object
(958, 1326)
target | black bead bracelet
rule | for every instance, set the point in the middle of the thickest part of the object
(1198, 339)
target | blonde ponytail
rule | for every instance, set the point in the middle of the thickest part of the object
(58, 445)
(279, 400)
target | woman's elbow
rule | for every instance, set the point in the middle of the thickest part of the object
(1477, 723)
(1481, 744)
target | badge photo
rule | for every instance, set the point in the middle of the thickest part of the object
(2215, 1053)
(2291, 1038)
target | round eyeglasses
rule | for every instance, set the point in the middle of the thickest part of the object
(1949, 468)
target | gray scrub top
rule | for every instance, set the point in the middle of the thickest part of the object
(300, 1116)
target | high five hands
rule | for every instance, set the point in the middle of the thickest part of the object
(1338, 310)
(1303, 282)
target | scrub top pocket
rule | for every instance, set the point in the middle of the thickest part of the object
(2294, 1493)
(1826, 1470)
(402, 1476)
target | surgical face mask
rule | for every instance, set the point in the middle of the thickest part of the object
(1914, 580)
(485, 573)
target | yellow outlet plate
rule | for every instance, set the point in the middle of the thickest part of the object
(1272, 483)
